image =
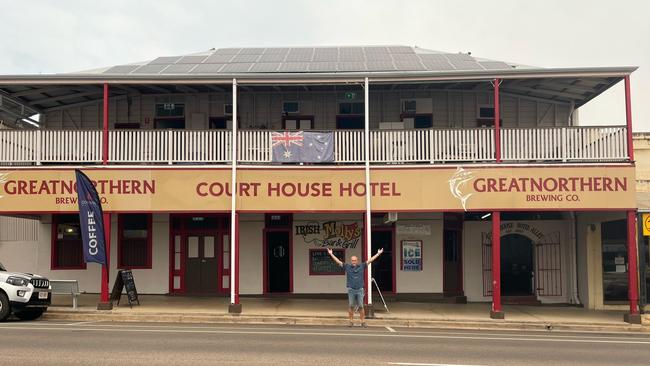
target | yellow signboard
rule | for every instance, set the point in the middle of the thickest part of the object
(325, 189)
(645, 218)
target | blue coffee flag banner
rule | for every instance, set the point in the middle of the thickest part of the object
(91, 219)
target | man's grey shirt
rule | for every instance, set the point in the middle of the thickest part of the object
(354, 275)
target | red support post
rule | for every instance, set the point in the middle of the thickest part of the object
(497, 122)
(632, 271)
(628, 118)
(497, 312)
(105, 274)
(104, 303)
(105, 127)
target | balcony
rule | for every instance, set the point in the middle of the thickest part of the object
(419, 146)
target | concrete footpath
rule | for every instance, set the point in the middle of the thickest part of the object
(181, 309)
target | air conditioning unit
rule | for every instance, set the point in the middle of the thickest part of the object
(409, 106)
(390, 217)
(291, 107)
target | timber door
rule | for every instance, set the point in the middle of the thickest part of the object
(516, 265)
(278, 261)
(452, 283)
(201, 264)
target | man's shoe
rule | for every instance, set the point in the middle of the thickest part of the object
(350, 324)
(364, 325)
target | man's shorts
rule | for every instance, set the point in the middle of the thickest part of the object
(355, 297)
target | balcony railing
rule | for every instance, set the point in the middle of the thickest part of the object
(552, 144)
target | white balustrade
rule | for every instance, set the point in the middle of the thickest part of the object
(564, 144)
(544, 144)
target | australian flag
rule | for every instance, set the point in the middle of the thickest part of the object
(91, 219)
(302, 146)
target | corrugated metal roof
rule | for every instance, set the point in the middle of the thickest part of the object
(307, 60)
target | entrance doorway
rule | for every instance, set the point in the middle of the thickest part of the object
(278, 261)
(516, 265)
(200, 254)
(382, 268)
(452, 283)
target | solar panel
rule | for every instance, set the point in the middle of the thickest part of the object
(375, 49)
(376, 56)
(166, 60)
(206, 68)
(407, 57)
(227, 51)
(322, 66)
(459, 57)
(351, 66)
(191, 59)
(121, 69)
(241, 67)
(218, 59)
(351, 54)
(179, 69)
(329, 54)
(278, 50)
(294, 67)
(466, 65)
(437, 66)
(245, 58)
(409, 65)
(300, 54)
(433, 57)
(380, 66)
(252, 51)
(265, 67)
(272, 57)
(149, 69)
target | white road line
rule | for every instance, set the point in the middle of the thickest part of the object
(82, 323)
(426, 364)
(347, 334)
(390, 329)
(546, 334)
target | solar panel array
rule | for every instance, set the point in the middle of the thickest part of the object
(310, 60)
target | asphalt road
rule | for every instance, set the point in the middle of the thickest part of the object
(98, 343)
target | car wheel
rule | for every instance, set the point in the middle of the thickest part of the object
(4, 307)
(29, 314)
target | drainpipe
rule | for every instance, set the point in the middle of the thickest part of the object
(575, 296)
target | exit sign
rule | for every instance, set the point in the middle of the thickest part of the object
(168, 106)
(350, 95)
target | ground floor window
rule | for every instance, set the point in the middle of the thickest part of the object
(134, 241)
(67, 249)
(614, 250)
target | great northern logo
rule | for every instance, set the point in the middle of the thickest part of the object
(3, 179)
(457, 185)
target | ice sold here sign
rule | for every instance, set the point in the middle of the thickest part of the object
(411, 255)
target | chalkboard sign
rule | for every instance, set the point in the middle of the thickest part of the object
(123, 280)
(320, 262)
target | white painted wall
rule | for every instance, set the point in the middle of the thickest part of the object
(473, 257)
(251, 254)
(429, 280)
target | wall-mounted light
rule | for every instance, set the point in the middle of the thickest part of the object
(486, 216)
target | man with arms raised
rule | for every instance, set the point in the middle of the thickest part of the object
(354, 282)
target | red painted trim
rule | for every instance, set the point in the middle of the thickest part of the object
(450, 166)
(289, 230)
(53, 251)
(497, 122)
(105, 127)
(105, 274)
(632, 271)
(120, 238)
(496, 261)
(628, 118)
(326, 273)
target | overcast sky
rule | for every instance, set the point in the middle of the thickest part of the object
(65, 35)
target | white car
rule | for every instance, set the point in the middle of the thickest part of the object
(25, 295)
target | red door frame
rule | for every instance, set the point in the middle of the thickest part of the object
(222, 229)
(289, 229)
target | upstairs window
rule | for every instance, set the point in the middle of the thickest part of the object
(170, 110)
